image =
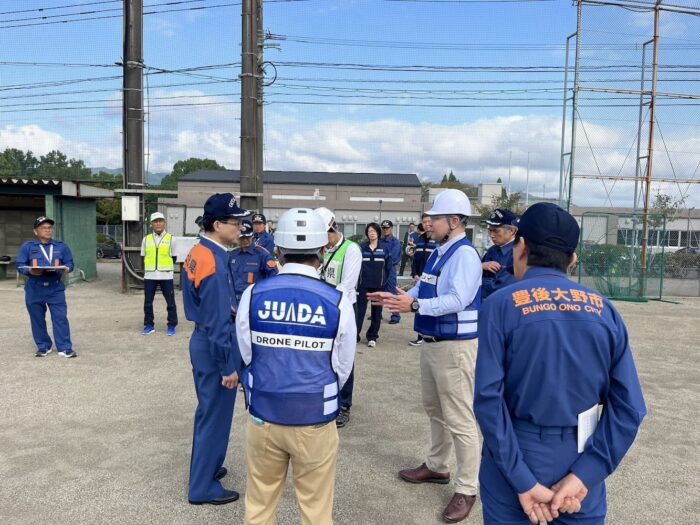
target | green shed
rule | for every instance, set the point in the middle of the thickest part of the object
(71, 204)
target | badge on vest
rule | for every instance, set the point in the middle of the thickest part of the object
(428, 278)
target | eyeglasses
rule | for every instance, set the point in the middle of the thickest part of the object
(232, 223)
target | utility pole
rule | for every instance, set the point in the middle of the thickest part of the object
(251, 106)
(650, 152)
(132, 133)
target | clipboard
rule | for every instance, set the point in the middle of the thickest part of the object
(45, 268)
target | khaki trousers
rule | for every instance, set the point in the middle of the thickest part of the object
(313, 453)
(447, 380)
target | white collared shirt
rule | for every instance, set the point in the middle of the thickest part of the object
(343, 353)
(458, 283)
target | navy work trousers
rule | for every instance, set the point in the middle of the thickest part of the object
(549, 454)
(149, 292)
(391, 283)
(212, 421)
(37, 297)
(375, 321)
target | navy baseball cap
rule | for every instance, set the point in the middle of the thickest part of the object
(41, 220)
(387, 224)
(246, 229)
(549, 225)
(222, 205)
(259, 217)
(501, 217)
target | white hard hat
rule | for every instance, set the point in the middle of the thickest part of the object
(451, 202)
(328, 217)
(157, 215)
(301, 230)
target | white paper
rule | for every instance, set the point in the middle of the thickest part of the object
(587, 423)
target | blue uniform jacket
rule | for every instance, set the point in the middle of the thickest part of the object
(209, 301)
(424, 247)
(30, 254)
(490, 282)
(250, 266)
(266, 241)
(375, 266)
(393, 246)
(549, 349)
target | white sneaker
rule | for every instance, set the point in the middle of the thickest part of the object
(371, 343)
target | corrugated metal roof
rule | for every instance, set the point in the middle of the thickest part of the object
(29, 182)
(310, 177)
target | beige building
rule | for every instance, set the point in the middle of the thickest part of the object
(356, 198)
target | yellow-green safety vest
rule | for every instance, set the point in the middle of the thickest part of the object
(158, 255)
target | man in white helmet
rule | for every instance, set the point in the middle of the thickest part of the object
(446, 302)
(342, 262)
(297, 337)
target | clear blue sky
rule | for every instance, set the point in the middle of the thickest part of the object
(369, 119)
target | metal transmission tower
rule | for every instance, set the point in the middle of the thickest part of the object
(251, 106)
(132, 134)
(643, 177)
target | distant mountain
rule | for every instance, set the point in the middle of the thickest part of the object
(116, 171)
(152, 178)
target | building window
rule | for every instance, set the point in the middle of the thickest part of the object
(673, 238)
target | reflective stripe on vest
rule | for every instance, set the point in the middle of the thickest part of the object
(459, 325)
(158, 255)
(332, 272)
(294, 321)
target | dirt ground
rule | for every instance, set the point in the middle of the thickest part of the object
(106, 437)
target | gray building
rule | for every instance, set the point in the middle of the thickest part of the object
(356, 198)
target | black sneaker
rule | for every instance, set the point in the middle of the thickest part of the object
(343, 418)
(417, 342)
(42, 352)
(67, 353)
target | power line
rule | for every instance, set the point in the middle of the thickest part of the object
(106, 17)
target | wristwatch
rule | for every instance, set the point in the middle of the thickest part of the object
(415, 305)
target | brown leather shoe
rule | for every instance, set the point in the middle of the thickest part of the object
(423, 474)
(459, 508)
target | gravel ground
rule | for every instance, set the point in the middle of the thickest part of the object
(106, 437)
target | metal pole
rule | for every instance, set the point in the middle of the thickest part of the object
(527, 182)
(650, 149)
(638, 169)
(574, 111)
(132, 129)
(563, 121)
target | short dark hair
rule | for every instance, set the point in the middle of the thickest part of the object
(375, 227)
(208, 224)
(545, 257)
(299, 258)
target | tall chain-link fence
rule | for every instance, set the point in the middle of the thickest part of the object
(613, 144)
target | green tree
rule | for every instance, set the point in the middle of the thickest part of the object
(510, 202)
(17, 163)
(56, 165)
(183, 167)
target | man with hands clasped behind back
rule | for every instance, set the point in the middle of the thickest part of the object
(554, 357)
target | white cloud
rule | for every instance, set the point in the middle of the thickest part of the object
(476, 151)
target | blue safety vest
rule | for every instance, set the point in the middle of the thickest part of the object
(459, 325)
(374, 266)
(294, 321)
